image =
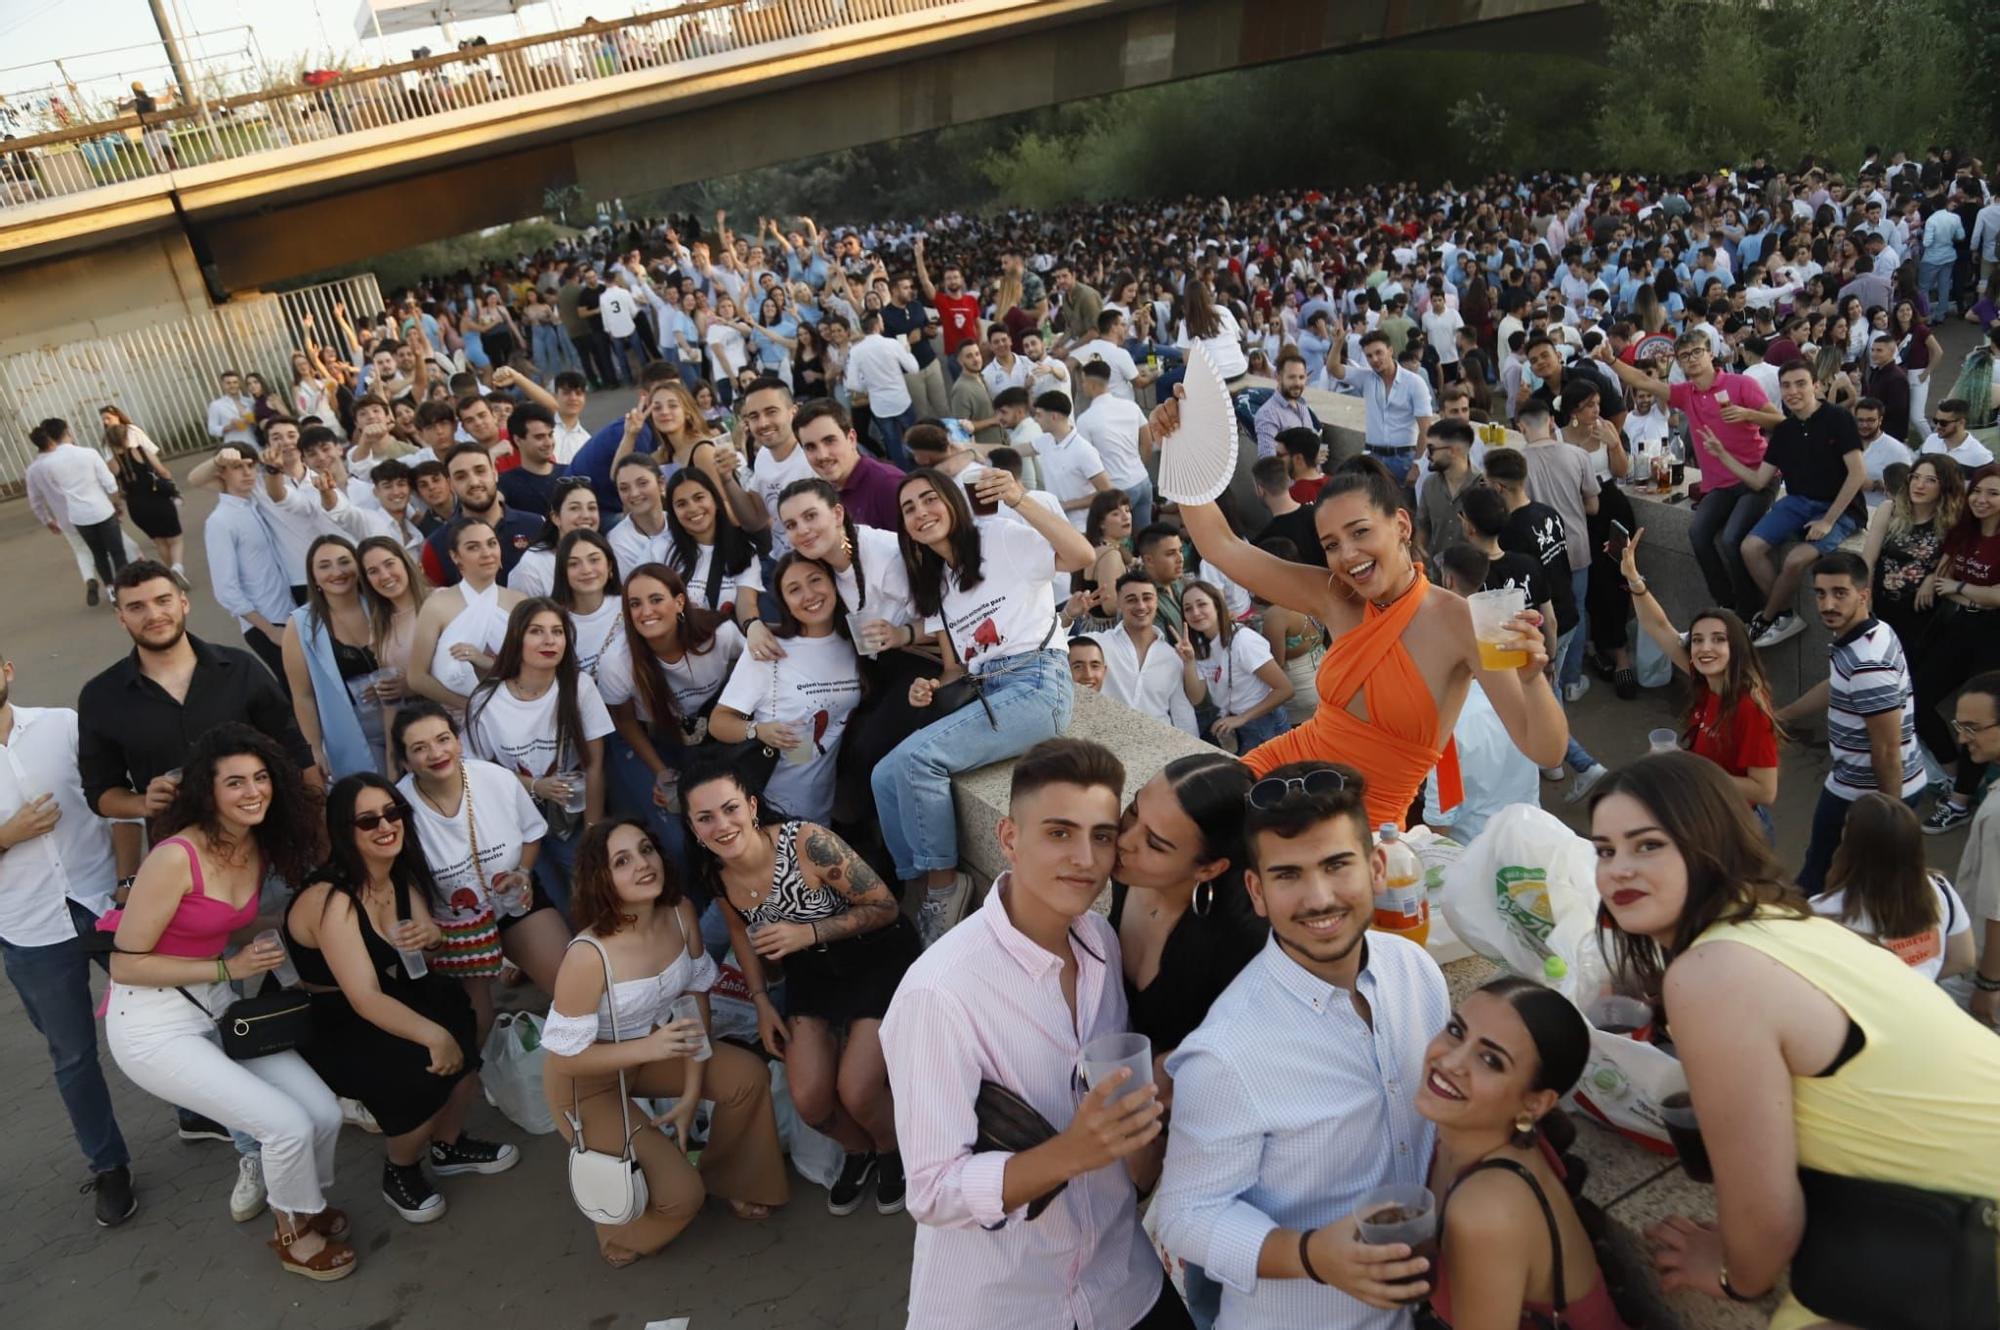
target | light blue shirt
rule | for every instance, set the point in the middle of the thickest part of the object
(1942, 232)
(1288, 1108)
(1393, 408)
(243, 562)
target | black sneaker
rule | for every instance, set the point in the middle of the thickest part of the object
(469, 1154)
(90, 592)
(889, 1185)
(195, 1127)
(1627, 684)
(115, 1201)
(844, 1197)
(410, 1194)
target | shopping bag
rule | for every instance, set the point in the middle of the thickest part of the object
(512, 1072)
(817, 1158)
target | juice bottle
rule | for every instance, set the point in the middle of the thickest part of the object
(1401, 906)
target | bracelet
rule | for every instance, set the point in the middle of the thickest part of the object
(221, 970)
(815, 928)
(125, 882)
(1638, 590)
(1985, 985)
(1305, 1259)
(1722, 1278)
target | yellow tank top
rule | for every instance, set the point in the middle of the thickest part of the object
(1917, 1105)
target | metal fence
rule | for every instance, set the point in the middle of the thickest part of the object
(164, 375)
(88, 157)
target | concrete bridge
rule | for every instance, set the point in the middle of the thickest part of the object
(136, 223)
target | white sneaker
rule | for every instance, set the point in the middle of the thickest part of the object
(941, 909)
(1783, 628)
(1573, 692)
(354, 1113)
(1555, 775)
(246, 1198)
(1585, 782)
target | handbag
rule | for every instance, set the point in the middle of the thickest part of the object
(967, 688)
(608, 1188)
(1885, 1256)
(1008, 1122)
(471, 946)
(261, 1024)
(752, 759)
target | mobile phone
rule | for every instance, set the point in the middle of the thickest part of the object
(1620, 538)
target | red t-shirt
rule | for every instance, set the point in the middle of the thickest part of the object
(1975, 559)
(1306, 490)
(958, 316)
(1738, 741)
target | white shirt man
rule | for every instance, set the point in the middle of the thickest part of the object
(70, 486)
(619, 310)
(71, 861)
(1112, 424)
(1124, 370)
(1141, 668)
(1002, 376)
(231, 420)
(876, 366)
(1070, 466)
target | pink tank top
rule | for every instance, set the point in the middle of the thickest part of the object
(202, 925)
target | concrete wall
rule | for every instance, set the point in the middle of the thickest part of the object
(142, 281)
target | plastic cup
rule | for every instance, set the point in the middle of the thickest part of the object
(855, 620)
(804, 751)
(1615, 1013)
(685, 1008)
(1677, 1115)
(511, 893)
(1108, 1052)
(1403, 1212)
(1492, 612)
(577, 791)
(287, 973)
(1663, 741)
(667, 790)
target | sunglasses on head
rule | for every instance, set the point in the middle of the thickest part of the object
(393, 815)
(1273, 791)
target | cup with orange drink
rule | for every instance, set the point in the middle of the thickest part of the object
(1493, 614)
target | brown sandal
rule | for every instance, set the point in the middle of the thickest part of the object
(333, 1261)
(331, 1223)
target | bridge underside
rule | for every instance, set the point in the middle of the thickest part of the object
(246, 229)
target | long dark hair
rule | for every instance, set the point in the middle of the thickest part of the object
(344, 870)
(507, 668)
(593, 899)
(695, 632)
(1731, 873)
(563, 594)
(1225, 627)
(814, 487)
(788, 622)
(1560, 1033)
(706, 764)
(548, 537)
(289, 836)
(927, 570)
(732, 548)
(1211, 789)
(1880, 866)
(382, 613)
(1743, 684)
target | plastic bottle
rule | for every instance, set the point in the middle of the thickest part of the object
(1401, 906)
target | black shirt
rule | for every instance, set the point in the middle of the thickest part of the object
(900, 322)
(1202, 955)
(1611, 402)
(129, 729)
(1518, 570)
(527, 492)
(1811, 453)
(1536, 530)
(1297, 527)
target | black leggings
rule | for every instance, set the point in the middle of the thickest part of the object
(1608, 602)
(1960, 644)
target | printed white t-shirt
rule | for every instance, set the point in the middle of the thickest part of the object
(768, 478)
(1231, 675)
(504, 819)
(817, 686)
(520, 736)
(882, 591)
(731, 590)
(1010, 611)
(1924, 952)
(694, 678)
(594, 631)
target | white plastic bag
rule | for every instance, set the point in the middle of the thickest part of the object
(1524, 877)
(817, 1158)
(512, 1074)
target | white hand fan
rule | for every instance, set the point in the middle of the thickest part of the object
(1198, 461)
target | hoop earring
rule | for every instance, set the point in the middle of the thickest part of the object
(1203, 906)
(1525, 1127)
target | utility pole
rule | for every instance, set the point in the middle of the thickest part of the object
(186, 92)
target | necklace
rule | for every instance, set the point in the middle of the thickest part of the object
(1400, 591)
(425, 795)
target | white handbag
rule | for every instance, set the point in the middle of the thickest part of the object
(608, 1188)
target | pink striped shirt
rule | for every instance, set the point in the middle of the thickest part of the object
(986, 1003)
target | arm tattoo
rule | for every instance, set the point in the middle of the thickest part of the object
(869, 904)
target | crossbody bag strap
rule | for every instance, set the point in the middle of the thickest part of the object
(471, 826)
(624, 1100)
(715, 576)
(1548, 1216)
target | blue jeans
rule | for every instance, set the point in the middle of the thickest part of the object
(629, 793)
(890, 430)
(556, 862)
(552, 350)
(1141, 496)
(1721, 520)
(1569, 668)
(1828, 824)
(629, 356)
(1934, 282)
(1789, 517)
(1401, 461)
(54, 984)
(1030, 698)
(1266, 727)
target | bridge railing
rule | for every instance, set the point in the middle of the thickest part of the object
(87, 157)
(164, 375)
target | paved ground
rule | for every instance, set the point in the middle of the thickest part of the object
(513, 1252)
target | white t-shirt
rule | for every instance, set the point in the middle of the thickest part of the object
(882, 591)
(1441, 327)
(594, 631)
(1123, 368)
(535, 574)
(693, 678)
(506, 822)
(1231, 675)
(521, 735)
(1923, 953)
(1067, 466)
(768, 477)
(619, 311)
(1225, 349)
(731, 590)
(725, 350)
(818, 685)
(1112, 426)
(1009, 613)
(633, 546)
(1877, 456)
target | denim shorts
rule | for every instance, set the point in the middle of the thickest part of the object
(1789, 517)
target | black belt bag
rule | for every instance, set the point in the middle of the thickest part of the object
(1884, 1256)
(278, 1021)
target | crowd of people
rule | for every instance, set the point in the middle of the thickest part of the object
(612, 712)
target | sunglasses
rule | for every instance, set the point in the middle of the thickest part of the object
(393, 815)
(1273, 791)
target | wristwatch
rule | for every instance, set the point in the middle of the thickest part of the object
(1722, 1278)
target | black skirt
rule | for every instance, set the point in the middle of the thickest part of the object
(360, 1060)
(852, 979)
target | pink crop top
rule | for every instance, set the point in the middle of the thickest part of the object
(202, 924)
